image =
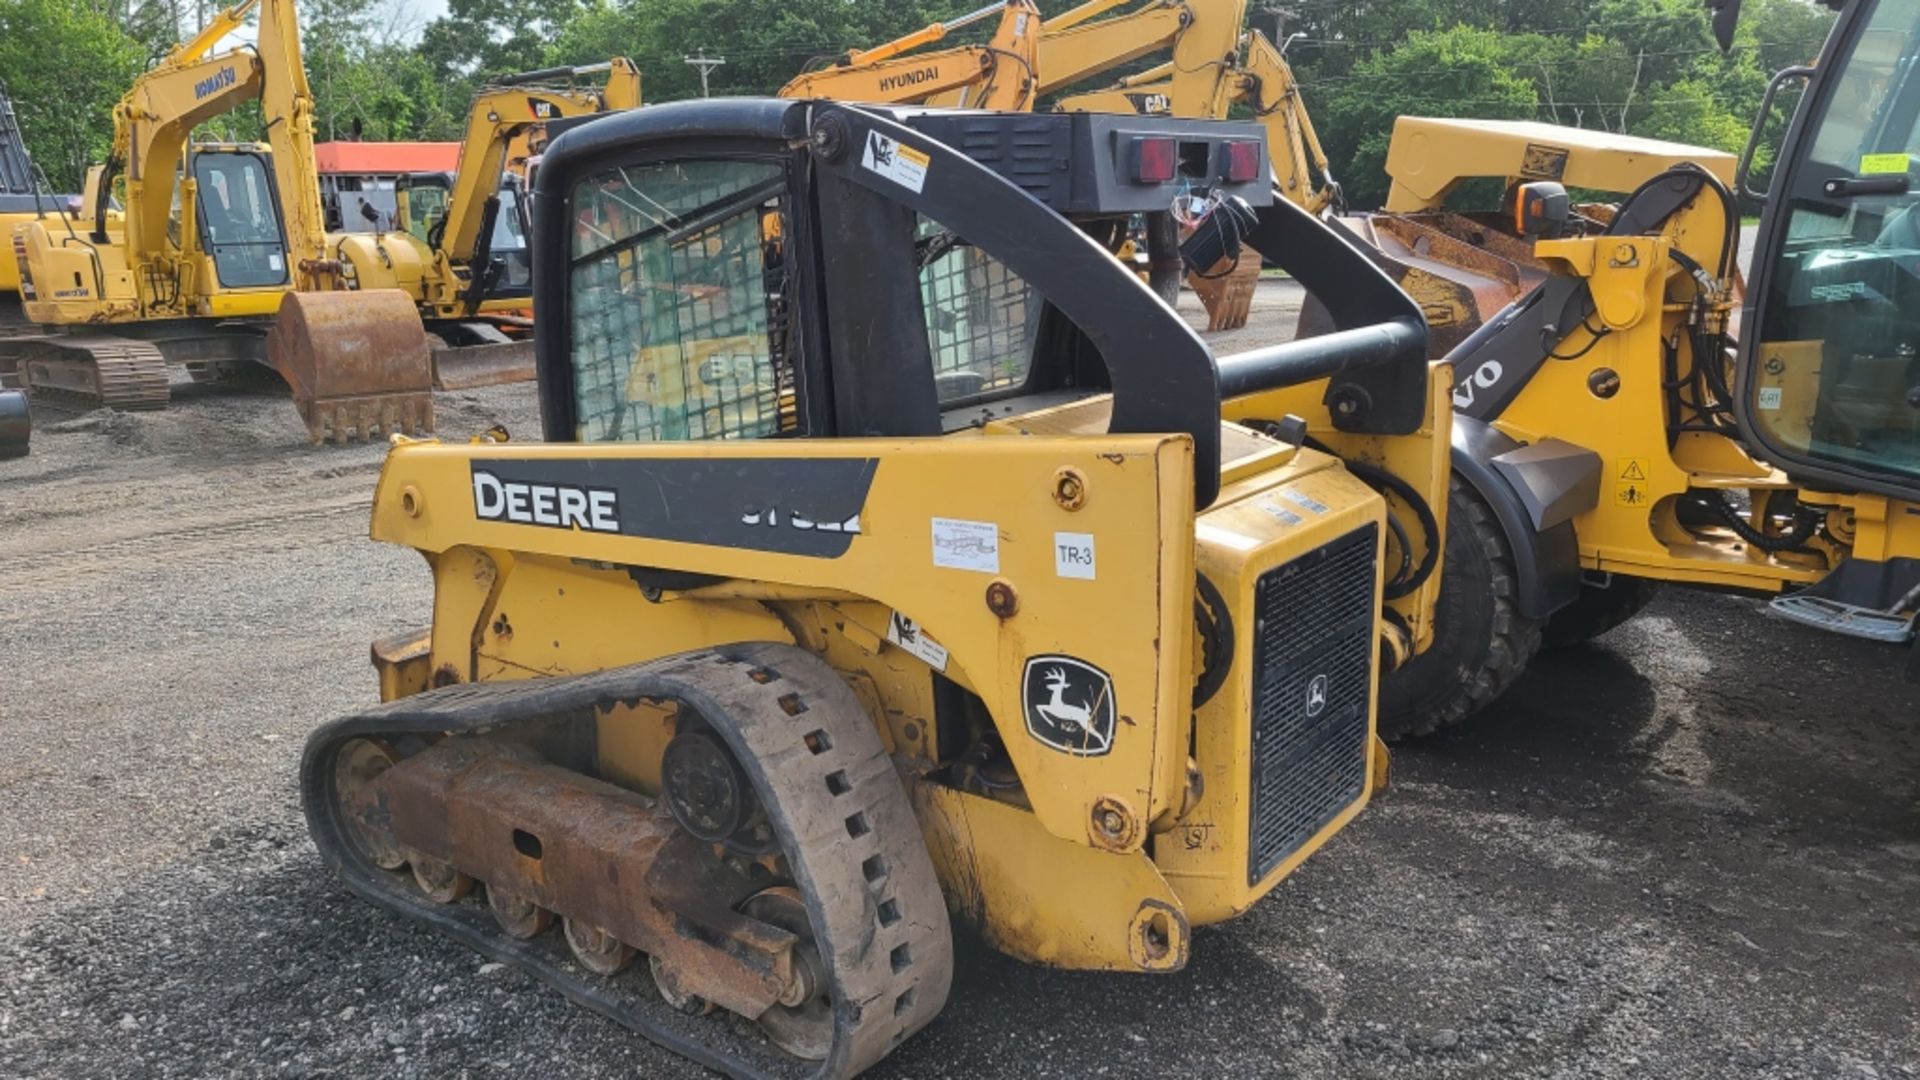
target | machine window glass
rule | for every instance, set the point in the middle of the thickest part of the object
(981, 317)
(1837, 368)
(678, 294)
(239, 219)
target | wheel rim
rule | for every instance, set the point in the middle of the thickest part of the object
(804, 1030)
(597, 950)
(520, 917)
(360, 763)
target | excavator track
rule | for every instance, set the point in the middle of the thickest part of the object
(860, 876)
(93, 372)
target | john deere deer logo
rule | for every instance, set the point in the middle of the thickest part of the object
(1069, 705)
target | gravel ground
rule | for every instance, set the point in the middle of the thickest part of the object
(1691, 849)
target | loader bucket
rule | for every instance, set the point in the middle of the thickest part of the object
(16, 424)
(357, 362)
(1459, 271)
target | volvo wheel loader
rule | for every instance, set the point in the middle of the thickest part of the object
(215, 237)
(834, 608)
(1612, 430)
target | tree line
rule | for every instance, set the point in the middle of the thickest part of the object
(1643, 67)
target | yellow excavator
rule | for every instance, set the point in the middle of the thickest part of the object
(473, 302)
(997, 74)
(215, 236)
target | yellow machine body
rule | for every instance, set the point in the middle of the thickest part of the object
(1156, 830)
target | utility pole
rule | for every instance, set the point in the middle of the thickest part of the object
(706, 64)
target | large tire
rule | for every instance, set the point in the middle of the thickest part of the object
(1598, 610)
(1481, 642)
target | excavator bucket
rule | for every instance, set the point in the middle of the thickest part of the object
(1227, 291)
(358, 363)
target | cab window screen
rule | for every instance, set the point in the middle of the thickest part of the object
(981, 317)
(678, 293)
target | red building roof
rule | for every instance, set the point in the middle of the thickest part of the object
(385, 158)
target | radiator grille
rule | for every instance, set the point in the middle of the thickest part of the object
(1313, 621)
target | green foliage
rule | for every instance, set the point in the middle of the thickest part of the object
(1646, 67)
(65, 65)
(1441, 71)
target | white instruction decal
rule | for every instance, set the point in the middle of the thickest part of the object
(1770, 397)
(1304, 501)
(966, 545)
(1285, 516)
(1073, 555)
(896, 161)
(903, 632)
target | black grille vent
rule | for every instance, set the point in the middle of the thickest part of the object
(1312, 640)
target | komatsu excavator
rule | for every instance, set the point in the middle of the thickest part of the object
(1614, 431)
(215, 237)
(743, 679)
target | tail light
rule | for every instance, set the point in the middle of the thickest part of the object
(1243, 161)
(1154, 159)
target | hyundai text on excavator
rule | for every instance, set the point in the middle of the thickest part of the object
(1613, 431)
(745, 673)
(997, 74)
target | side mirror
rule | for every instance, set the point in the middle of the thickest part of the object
(1541, 210)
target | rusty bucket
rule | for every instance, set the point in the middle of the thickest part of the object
(358, 363)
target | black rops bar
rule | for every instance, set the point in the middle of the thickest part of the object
(1377, 358)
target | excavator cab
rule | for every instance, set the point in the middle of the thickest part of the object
(239, 217)
(1829, 379)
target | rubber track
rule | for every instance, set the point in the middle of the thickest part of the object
(872, 897)
(130, 375)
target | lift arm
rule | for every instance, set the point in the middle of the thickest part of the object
(504, 112)
(999, 75)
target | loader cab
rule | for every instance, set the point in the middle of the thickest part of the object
(927, 302)
(1830, 360)
(238, 216)
(423, 200)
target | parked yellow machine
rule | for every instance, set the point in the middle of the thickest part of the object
(998, 74)
(443, 256)
(1612, 430)
(743, 668)
(215, 236)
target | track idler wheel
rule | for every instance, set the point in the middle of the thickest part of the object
(369, 824)
(801, 1023)
(357, 362)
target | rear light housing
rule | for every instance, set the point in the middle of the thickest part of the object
(1243, 161)
(1153, 159)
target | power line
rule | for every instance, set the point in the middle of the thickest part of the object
(705, 64)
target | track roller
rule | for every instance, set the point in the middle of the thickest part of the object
(779, 875)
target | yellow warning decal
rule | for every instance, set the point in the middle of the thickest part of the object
(1630, 481)
(1877, 164)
